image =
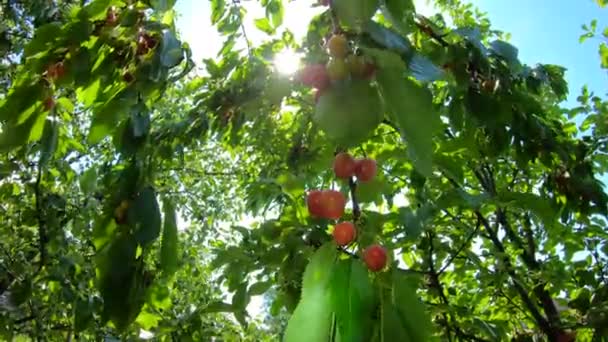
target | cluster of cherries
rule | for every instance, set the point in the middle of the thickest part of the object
(146, 42)
(341, 65)
(330, 204)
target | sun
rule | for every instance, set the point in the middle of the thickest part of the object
(287, 62)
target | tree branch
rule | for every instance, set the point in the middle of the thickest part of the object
(436, 283)
(461, 248)
(42, 232)
(356, 209)
(542, 322)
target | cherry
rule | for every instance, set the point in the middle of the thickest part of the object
(344, 233)
(314, 203)
(145, 42)
(112, 17)
(366, 169)
(55, 71)
(333, 203)
(337, 46)
(315, 75)
(344, 165)
(375, 257)
(120, 213)
(128, 77)
(337, 69)
(49, 103)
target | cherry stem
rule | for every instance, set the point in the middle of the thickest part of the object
(353, 188)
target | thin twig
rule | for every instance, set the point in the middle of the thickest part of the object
(42, 233)
(462, 247)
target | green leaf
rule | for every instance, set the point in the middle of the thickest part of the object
(50, 136)
(604, 55)
(355, 14)
(15, 135)
(162, 5)
(389, 39)
(411, 106)
(44, 39)
(414, 317)
(105, 119)
(88, 95)
(352, 300)
(423, 69)
(392, 327)
(259, 288)
(541, 207)
(21, 99)
(148, 320)
(263, 24)
(400, 13)
(119, 281)
(506, 51)
(88, 180)
(97, 9)
(171, 52)
(218, 307)
(241, 298)
(144, 216)
(311, 320)
(369, 192)
(83, 314)
(275, 11)
(169, 243)
(218, 8)
(20, 291)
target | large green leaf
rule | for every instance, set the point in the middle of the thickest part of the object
(106, 118)
(412, 312)
(392, 327)
(389, 39)
(401, 14)
(15, 135)
(355, 14)
(50, 137)
(169, 243)
(311, 320)
(352, 299)
(144, 216)
(218, 307)
(171, 53)
(411, 107)
(162, 5)
(541, 207)
(117, 280)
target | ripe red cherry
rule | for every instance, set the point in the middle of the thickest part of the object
(366, 169)
(315, 76)
(55, 71)
(49, 103)
(314, 203)
(375, 257)
(344, 165)
(333, 203)
(111, 16)
(344, 233)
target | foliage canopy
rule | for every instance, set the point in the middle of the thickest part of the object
(125, 175)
